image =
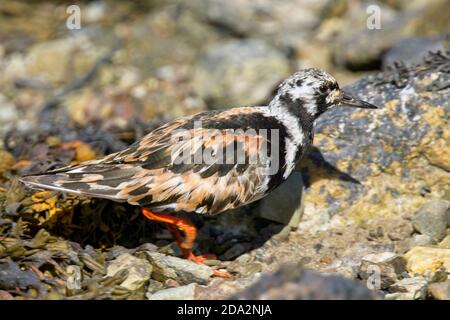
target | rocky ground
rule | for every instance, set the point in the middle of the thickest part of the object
(366, 216)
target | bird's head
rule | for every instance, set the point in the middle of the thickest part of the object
(311, 92)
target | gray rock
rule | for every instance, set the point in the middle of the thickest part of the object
(360, 47)
(387, 267)
(239, 73)
(416, 286)
(182, 270)
(285, 204)
(138, 270)
(78, 52)
(12, 277)
(179, 293)
(411, 51)
(440, 290)
(431, 219)
(177, 37)
(292, 282)
(380, 145)
(288, 23)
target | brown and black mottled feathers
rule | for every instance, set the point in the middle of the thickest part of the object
(154, 172)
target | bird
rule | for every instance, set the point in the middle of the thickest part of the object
(209, 162)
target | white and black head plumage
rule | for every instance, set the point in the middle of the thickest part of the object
(146, 174)
(310, 92)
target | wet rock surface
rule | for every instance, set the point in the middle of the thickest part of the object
(367, 202)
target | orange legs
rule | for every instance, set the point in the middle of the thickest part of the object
(176, 224)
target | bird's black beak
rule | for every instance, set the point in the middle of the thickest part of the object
(351, 101)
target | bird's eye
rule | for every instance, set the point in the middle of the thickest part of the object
(323, 88)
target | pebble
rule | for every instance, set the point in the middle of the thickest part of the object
(388, 265)
(421, 240)
(416, 286)
(74, 278)
(139, 270)
(179, 293)
(154, 286)
(445, 243)
(431, 219)
(182, 270)
(440, 290)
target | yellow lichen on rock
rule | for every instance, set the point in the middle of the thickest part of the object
(421, 260)
(398, 118)
(47, 207)
(378, 202)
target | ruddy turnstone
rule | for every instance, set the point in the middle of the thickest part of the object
(209, 162)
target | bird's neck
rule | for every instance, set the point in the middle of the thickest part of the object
(301, 112)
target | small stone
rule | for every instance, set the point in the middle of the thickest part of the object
(73, 282)
(399, 229)
(431, 219)
(115, 252)
(400, 296)
(421, 240)
(170, 283)
(438, 276)
(415, 286)
(139, 270)
(245, 258)
(181, 270)
(422, 260)
(440, 290)
(251, 268)
(445, 243)
(154, 286)
(179, 293)
(388, 265)
(285, 204)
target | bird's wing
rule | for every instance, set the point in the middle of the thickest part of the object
(172, 169)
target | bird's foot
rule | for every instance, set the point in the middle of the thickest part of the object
(176, 224)
(200, 259)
